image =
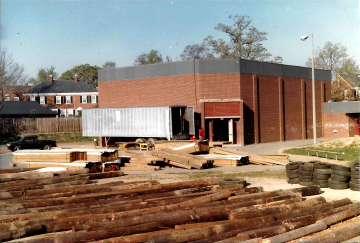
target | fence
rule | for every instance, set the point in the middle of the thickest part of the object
(16, 126)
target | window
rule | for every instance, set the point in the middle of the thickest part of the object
(62, 112)
(93, 99)
(16, 99)
(42, 100)
(83, 99)
(345, 93)
(32, 98)
(58, 100)
(7, 99)
(70, 112)
(357, 93)
(68, 99)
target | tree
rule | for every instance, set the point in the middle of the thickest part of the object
(334, 57)
(85, 72)
(245, 41)
(168, 59)
(109, 64)
(154, 56)
(11, 73)
(43, 75)
(196, 51)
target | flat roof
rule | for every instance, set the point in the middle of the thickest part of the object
(342, 107)
(210, 66)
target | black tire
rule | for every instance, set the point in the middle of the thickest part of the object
(338, 186)
(341, 173)
(305, 173)
(292, 176)
(340, 167)
(305, 179)
(354, 186)
(296, 171)
(339, 178)
(355, 181)
(306, 183)
(306, 167)
(322, 185)
(355, 175)
(293, 181)
(321, 176)
(321, 181)
(16, 148)
(47, 147)
(322, 165)
(355, 166)
(322, 171)
(139, 140)
(293, 165)
(337, 182)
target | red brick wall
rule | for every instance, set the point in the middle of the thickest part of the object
(340, 122)
(190, 89)
(75, 103)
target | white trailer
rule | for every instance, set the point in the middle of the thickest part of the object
(139, 123)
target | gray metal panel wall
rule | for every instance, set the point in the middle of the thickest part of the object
(211, 66)
(127, 122)
(147, 71)
(342, 107)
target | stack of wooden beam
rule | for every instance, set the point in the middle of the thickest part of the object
(254, 158)
(190, 211)
(139, 161)
(226, 160)
(182, 159)
(190, 147)
(47, 156)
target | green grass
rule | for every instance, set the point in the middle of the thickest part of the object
(277, 174)
(348, 152)
(66, 137)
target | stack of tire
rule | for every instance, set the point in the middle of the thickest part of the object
(355, 176)
(321, 174)
(340, 177)
(306, 172)
(292, 172)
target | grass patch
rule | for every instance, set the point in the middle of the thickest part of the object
(69, 137)
(349, 152)
(277, 174)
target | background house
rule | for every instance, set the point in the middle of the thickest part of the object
(14, 92)
(67, 97)
(26, 109)
(345, 88)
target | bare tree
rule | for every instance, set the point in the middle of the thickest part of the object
(154, 56)
(11, 73)
(196, 51)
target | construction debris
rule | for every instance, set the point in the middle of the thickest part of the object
(146, 211)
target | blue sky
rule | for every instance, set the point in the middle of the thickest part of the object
(64, 34)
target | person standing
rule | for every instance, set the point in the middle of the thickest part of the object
(201, 133)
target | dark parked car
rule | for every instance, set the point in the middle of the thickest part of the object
(31, 142)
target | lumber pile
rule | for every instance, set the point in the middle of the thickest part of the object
(253, 158)
(189, 211)
(182, 159)
(226, 160)
(139, 161)
(187, 146)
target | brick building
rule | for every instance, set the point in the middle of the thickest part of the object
(341, 119)
(234, 100)
(67, 97)
(14, 92)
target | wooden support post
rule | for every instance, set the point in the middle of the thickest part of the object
(211, 130)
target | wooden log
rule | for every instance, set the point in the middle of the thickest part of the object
(297, 233)
(276, 210)
(25, 175)
(353, 211)
(352, 240)
(16, 170)
(21, 232)
(102, 175)
(199, 233)
(337, 235)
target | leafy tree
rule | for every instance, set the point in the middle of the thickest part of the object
(334, 57)
(152, 57)
(168, 59)
(349, 70)
(11, 73)
(245, 41)
(109, 64)
(196, 51)
(43, 75)
(85, 72)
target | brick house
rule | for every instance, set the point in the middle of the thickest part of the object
(346, 88)
(235, 100)
(67, 97)
(14, 92)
